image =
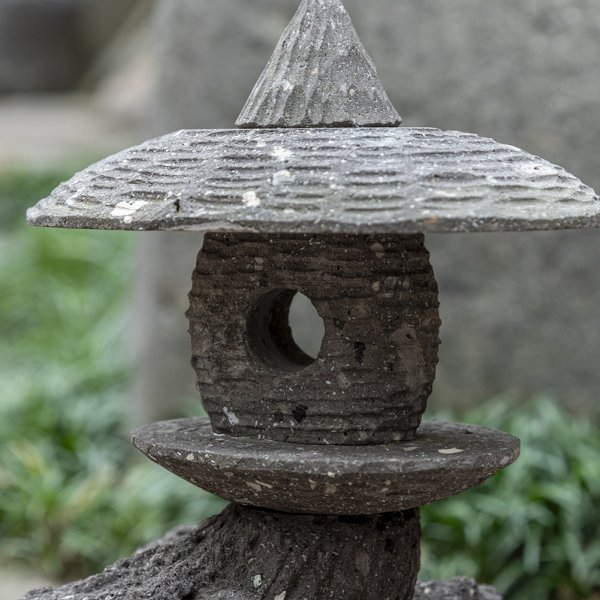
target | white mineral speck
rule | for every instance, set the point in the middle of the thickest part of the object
(189, 457)
(250, 199)
(343, 381)
(231, 416)
(281, 596)
(378, 249)
(254, 486)
(263, 484)
(330, 489)
(281, 153)
(126, 209)
(286, 85)
(450, 451)
(282, 176)
(257, 581)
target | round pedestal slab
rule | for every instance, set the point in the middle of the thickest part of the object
(443, 460)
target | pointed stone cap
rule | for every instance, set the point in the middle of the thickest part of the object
(320, 75)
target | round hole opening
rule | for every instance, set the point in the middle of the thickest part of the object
(285, 330)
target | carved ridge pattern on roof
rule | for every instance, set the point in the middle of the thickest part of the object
(368, 180)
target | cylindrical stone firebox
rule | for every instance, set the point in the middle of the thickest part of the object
(377, 297)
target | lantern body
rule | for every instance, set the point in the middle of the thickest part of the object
(377, 297)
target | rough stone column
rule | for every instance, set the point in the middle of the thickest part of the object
(193, 558)
(524, 73)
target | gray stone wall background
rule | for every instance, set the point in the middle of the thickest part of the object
(521, 311)
(49, 45)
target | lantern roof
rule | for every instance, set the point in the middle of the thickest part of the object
(318, 180)
(319, 150)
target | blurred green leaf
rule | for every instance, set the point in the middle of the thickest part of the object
(74, 496)
(534, 529)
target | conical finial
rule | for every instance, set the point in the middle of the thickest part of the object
(320, 75)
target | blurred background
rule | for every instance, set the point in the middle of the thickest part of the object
(92, 330)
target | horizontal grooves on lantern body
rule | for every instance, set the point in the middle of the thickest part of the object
(378, 299)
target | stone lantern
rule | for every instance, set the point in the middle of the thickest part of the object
(318, 193)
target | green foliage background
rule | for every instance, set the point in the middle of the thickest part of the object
(534, 529)
(75, 496)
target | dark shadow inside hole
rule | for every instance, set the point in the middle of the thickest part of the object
(285, 329)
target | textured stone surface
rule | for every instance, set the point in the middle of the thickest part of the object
(456, 589)
(524, 73)
(384, 180)
(319, 76)
(377, 297)
(443, 460)
(338, 558)
(249, 554)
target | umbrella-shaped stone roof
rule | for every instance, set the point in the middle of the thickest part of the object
(317, 180)
(319, 151)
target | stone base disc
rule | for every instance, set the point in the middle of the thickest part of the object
(443, 460)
